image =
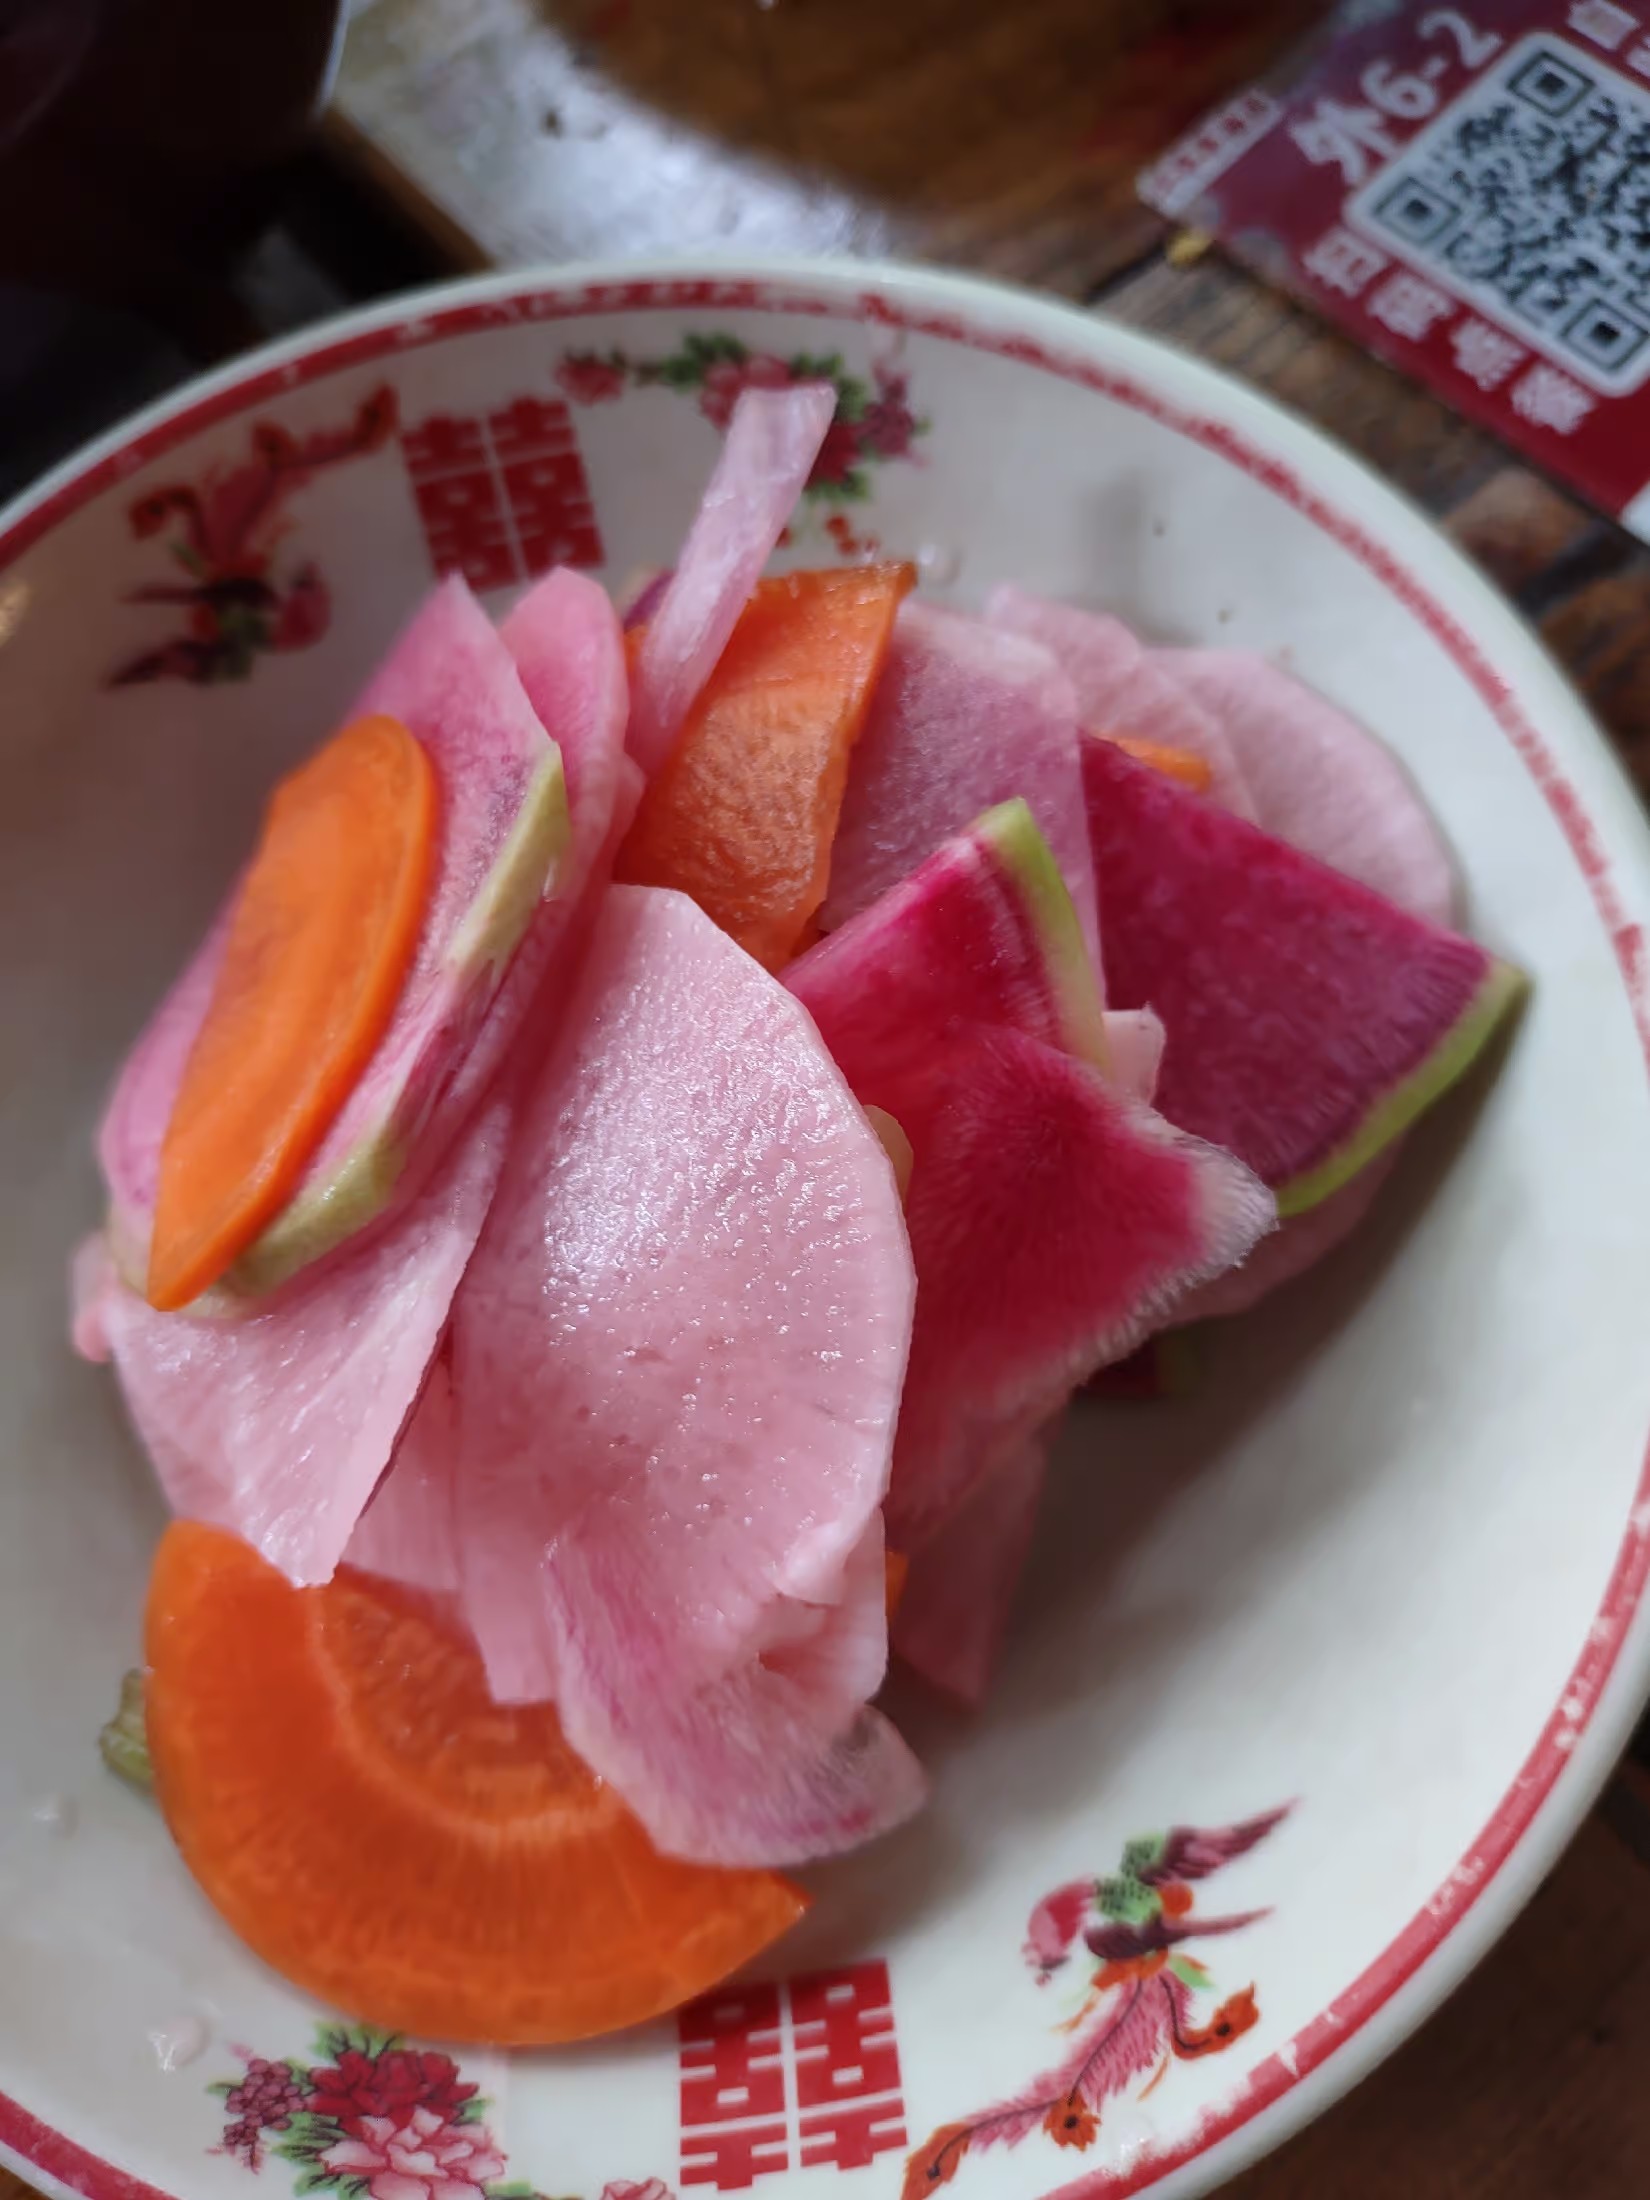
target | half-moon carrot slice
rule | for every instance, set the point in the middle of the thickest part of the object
(373, 1825)
(320, 938)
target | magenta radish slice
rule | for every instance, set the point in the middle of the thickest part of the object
(1319, 780)
(772, 441)
(964, 718)
(278, 1423)
(1054, 1224)
(1121, 687)
(1308, 1020)
(959, 1593)
(1331, 788)
(1063, 1249)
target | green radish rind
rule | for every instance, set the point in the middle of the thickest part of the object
(1012, 835)
(522, 875)
(1500, 991)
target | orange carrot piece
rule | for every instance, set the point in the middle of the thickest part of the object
(1178, 764)
(895, 1568)
(321, 936)
(742, 813)
(383, 1834)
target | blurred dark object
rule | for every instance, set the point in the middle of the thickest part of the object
(142, 144)
(66, 371)
(145, 146)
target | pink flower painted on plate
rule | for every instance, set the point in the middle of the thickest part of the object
(390, 2086)
(874, 421)
(890, 426)
(425, 2158)
(589, 379)
(376, 2119)
(728, 379)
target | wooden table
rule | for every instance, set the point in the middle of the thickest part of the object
(1004, 135)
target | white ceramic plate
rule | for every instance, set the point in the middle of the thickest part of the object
(1387, 1567)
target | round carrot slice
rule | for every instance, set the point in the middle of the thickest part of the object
(373, 1825)
(320, 937)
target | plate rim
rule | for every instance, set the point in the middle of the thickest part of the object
(1494, 648)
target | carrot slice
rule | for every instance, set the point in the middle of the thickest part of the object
(321, 934)
(1179, 764)
(742, 813)
(895, 1568)
(392, 1841)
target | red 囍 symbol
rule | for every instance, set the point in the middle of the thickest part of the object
(776, 2077)
(502, 496)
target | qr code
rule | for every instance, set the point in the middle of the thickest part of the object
(1530, 196)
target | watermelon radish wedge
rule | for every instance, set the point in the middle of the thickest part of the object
(677, 1362)
(1326, 785)
(982, 933)
(964, 717)
(1309, 1021)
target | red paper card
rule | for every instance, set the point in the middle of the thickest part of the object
(1468, 191)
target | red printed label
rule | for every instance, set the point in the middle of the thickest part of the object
(777, 2077)
(1464, 188)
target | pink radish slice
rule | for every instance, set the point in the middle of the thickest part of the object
(678, 1359)
(146, 1090)
(1134, 1051)
(1319, 780)
(773, 439)
(279, 1423)
(1121, 688)
(409, 1531)
(965, 717)
(959, 1592)
(777, 1762)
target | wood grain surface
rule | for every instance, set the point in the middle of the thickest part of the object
(1005, 138)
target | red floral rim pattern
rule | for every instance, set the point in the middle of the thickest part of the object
(59, 2157)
